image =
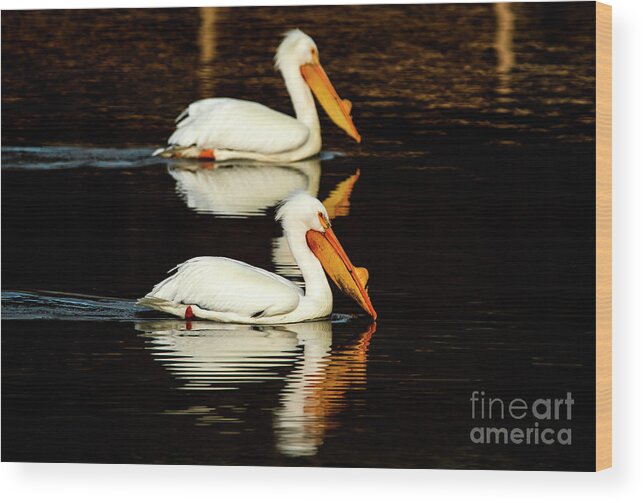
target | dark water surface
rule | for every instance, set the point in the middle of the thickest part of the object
(470, 200)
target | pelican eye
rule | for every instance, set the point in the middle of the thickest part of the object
(323, 220)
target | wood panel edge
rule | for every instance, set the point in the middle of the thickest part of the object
(603, 236)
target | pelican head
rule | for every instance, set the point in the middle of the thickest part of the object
(302, 213)
(298, 50)
(302, 210)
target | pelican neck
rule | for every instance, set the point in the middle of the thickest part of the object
(301, 96)
(311, 269)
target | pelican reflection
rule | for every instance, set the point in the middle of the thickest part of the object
(242, 189)
(317, 374)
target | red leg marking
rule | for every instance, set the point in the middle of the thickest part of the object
(189, 315)
(207, 155)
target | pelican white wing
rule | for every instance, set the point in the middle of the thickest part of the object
(223, 285)
(231, 124)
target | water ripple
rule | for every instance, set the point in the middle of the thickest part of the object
(44, 305)
(51, 158)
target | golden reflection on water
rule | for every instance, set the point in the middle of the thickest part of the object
(207, 39)
(503, 44)
(434, 73)
(208, 356)
(338, 202)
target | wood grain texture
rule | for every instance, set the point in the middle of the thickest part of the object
(603, 236)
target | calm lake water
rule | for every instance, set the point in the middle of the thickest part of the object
(470, 200)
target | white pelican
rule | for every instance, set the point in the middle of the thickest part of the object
(227, 128)
(226, 290)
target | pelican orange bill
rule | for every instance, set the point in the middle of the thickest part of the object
(338, 110)
(349, 279)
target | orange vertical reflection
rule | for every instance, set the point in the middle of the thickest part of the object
(208, 47)
(316, 392)
(504, 45)
(338, 201)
